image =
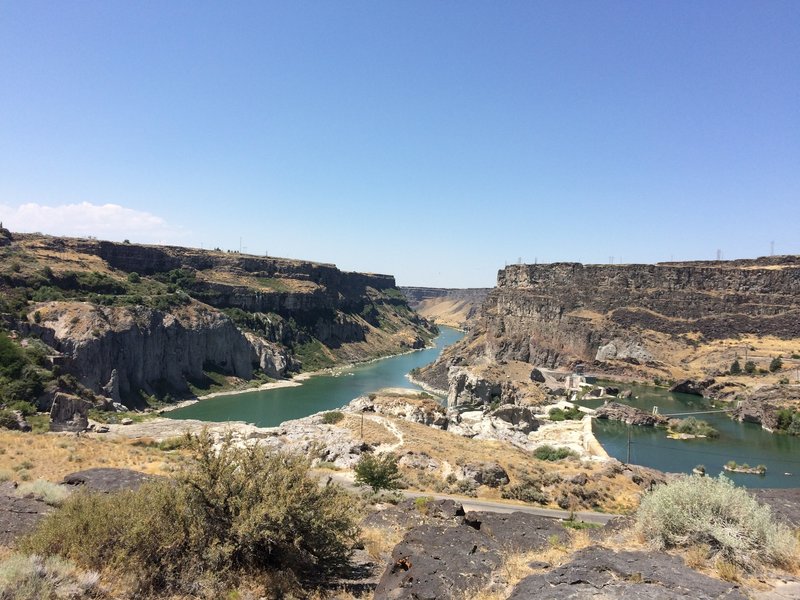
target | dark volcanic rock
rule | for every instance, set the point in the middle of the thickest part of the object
(785, 503)
(628, 414)
(598, 572)
(18, 516)
(690, 386)
(409, 513)
(437, 561)
(107, 480)
(536, 375)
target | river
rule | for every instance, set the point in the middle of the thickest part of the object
(742, 442)
(268, 408)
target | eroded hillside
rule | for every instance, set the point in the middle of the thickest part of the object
(130, 321)
(452, 307)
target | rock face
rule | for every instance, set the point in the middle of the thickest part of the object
(628, 414)
(68, 413)
(107, 480)
(155, 319)
(763, 404)
(598, 572)
(444, 561)
(690, 386)
(18, 516)
(561, 314)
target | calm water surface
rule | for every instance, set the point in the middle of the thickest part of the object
(322, 392)
(742, 442)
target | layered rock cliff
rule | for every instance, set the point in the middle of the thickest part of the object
(129, 320)
(670, 320)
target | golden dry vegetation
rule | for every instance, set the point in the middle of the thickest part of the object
(51, 456)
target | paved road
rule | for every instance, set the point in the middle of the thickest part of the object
(346, 481)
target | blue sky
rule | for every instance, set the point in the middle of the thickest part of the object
(436, 141)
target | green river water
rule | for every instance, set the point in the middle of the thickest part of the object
(321, 392)
(742, 442)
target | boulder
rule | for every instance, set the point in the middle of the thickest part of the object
(441, 561)
(628, 414)
(521, 417)
(537, 376)
(489, 474)
(17, 422)
(107, 480)
(690, 386)
(68, 413)
(598, 572)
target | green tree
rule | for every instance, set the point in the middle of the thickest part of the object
(736, 368)
(378, 472)
(749, 367)
(776, 364)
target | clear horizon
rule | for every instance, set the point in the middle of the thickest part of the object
(436, 142)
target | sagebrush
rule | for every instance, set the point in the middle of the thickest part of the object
(704, 511)
(235, 512)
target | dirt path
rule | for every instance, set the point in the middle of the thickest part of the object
(395, 431)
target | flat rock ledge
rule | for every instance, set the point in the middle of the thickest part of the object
(598, 572)
(435, 561)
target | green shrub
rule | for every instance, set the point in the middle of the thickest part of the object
(552, 454)
(378, 472)
(736, 368)
(692, 426)
(332, 417)
(572, 413)
(235, 511)
(527, 490)
(704, 510)
(36, 578)
(776, 364)
(26, 408)
(749, 367)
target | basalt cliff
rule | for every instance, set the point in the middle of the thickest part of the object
(663, 322)
(129, 322)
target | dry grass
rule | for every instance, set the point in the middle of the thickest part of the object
(379, 541)
(375, 433)
(446, 311)
(51, 456)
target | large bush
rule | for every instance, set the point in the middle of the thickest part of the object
(235, 512)
(696, 510)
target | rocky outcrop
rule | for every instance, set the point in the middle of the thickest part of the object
(615, 411)
(68, 413)
(126, 349)
(490, 474)
(408, 405)
(763, 404)
(690, 386)
(616, 317)
(106, 480)
(446, 561)
(467, 388)
(598, 572)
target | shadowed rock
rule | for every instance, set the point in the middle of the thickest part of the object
(598, 572)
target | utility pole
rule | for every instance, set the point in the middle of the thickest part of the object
(772, 248)
(629, 446)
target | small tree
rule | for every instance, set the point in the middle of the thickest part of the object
(736, 368)
(776, 364)
(749, 367)
(378, 472)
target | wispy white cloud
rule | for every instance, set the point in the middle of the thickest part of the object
(103, 221)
